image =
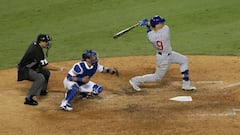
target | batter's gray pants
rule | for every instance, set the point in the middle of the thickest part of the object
(163, 62)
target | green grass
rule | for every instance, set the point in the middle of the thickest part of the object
(197, 27)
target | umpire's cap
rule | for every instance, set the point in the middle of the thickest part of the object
(44, 38)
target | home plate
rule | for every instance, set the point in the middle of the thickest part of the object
(182, 98)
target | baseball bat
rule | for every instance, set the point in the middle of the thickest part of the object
(125, 31)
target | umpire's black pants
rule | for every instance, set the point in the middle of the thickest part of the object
(40, 79)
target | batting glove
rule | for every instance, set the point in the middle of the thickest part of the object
(143, 22)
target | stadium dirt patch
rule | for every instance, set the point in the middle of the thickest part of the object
(119, 110)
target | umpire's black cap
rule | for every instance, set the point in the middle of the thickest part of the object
(44, 38)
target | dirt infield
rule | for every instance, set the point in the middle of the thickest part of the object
(120, 111)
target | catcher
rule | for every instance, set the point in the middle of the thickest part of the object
(79, 76)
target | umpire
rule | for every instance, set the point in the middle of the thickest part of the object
(32, 67)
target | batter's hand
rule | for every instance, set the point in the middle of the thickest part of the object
(143, 22)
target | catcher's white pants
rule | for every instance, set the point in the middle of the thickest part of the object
(88, 87)
(163, 62)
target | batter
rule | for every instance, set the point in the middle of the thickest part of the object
(160, 39)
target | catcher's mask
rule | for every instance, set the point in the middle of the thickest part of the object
(92, 55)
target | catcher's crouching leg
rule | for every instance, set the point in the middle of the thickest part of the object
(97, 89)
(90, 89)
(66, 103)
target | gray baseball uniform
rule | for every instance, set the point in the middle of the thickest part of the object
(164, 57)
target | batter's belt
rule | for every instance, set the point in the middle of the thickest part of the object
(160, 53)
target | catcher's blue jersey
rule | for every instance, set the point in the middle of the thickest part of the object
(81, 69)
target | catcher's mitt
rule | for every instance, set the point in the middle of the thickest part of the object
(114, 71)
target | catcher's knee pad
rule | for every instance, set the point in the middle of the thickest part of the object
(97, 89)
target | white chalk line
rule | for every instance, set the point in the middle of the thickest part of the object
(231, 113)
(213, 114)
(235, 110)
(208, 82)
(231, 85)
(203, 82)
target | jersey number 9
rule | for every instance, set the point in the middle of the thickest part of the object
(159, 45)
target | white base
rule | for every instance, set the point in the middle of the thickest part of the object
(182, 98)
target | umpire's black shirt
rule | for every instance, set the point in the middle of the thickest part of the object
(32, 56)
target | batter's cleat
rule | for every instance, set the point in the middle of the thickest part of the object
(134, 85)
(30, 102)
(65, 106)
(187, 86)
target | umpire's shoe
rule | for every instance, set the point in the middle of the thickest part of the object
(30, 101)
(44, 93)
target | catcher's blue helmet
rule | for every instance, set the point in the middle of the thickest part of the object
(90, 54)
(156, 20)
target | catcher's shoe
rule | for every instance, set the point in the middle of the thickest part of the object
(134, 85)
(30, 102)
(84, 95)
(65, 106)
(187, 86)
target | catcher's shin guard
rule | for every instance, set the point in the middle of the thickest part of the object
(71, 93)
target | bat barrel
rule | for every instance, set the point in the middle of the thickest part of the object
(125, 31)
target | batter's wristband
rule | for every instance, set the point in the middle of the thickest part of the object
(148, 28)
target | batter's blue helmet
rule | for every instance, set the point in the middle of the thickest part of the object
(156, 20)
(90, 54)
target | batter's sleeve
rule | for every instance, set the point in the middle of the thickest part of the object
(148, 36)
